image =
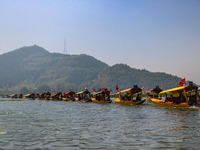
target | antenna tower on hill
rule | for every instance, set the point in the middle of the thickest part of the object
(65, 51)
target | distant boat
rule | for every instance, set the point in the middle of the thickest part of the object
(83, 96)
(126, 96)
(102, 96)
(30, 96)
(13, 96)
(70, 96)
(56, 96)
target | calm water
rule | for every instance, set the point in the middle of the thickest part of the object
(73, 125)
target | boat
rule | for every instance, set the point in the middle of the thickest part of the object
(56, 96)
(70, 96)
(43, 96)
(126, 96)
(102, 96)
(30, 96)
(184, 96)
(13, 96)
(153, 93)
(83, 96)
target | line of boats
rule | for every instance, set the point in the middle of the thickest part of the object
(183, 96)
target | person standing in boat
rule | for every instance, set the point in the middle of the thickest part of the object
(182, 97)
(138, 97)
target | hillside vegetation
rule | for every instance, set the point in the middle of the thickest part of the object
(35, 69)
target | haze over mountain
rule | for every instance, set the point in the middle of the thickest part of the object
(35, 69)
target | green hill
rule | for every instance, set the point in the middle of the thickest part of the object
(35, 69)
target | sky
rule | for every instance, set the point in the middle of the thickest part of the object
(156, 35)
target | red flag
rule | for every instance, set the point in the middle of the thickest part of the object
(110, 90)
(161, 88)
(117, 88)
(94, 90)
(63, 94)
(142, 88)
(85, 87)
(102, 89)
(182, 82)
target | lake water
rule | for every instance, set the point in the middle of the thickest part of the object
(35, 124)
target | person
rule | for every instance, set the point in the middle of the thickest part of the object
(183, 100)
(138, 97)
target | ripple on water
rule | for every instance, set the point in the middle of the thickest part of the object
(73, 125)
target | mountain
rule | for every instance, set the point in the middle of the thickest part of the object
(35, 69)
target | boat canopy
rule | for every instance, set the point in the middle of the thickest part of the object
(95, 93)
(82, 92)
(155, 90)
(180, 89)
(54, 94)
(27, 95)
(132, 90)
(70, 93)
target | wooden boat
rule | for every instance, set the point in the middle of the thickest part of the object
(30, 96)
(56, 96)
(126, 96)
(184, 96)
(70, 96)
(153, 93)
(102, 96)
(43, 96)
(83, 96)
(13, 96)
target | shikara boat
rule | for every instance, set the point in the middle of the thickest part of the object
(184, 96)
(43, 96)
(13, 96)
(126, 96)
(102, 96)
(56, 96)
(70, 96)
(83, 96)
(153, 93)
(30, 96)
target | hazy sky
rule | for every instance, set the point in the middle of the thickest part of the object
(157, 35)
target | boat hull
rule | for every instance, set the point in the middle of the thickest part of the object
(159, 102)
(129, 102)
(100, 101)
(68, 99)
(84, 100)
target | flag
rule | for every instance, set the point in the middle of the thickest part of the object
(85, 87)
(102, 89)
(110, 90)
(94, 90)
(182, 82)
(161, 88)
(142, 88)
(117, 88)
